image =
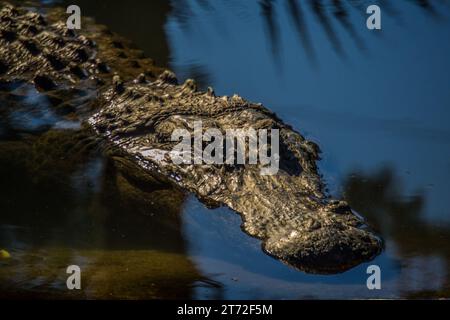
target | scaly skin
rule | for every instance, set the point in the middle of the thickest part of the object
(289, 212)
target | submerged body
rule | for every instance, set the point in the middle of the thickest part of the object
(136, 107)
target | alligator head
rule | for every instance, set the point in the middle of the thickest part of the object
(287, 210)
(327, 241)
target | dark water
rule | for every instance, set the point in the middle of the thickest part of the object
(376, 102)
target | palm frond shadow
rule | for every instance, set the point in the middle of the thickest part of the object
(327, 13)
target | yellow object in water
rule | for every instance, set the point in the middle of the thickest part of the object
(4, 254)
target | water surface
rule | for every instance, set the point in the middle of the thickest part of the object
(377, 102)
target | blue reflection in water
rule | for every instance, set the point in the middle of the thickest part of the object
(35, 113)
(376, 102)
(236, 260)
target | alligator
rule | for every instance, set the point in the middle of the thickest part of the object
(133, 106)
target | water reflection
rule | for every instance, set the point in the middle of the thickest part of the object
(65, 199)
(368, 98)
(298, 18)
(64, 203)
(142, 22)
(328, 14)
(400, 220)
(269, 15)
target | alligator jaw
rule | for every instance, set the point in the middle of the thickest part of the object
(324, 249)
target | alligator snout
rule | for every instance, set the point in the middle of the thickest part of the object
(335, 244)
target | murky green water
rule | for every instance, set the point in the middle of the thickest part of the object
(377, 104)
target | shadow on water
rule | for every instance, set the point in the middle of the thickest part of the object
(298, 17)
(63, 202)
(379, 197)
(269, 15)
(303, 14)
(66, 199)
(243, 46)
